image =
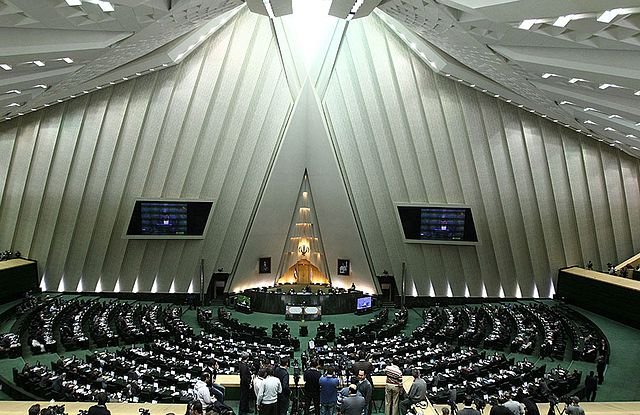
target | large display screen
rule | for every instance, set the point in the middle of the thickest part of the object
(169, 219)
(363, 303)
(437, 223)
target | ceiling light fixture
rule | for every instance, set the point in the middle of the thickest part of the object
(562, 21)
(609, 129)
(637, 93)
(67, 60)
(43, 86)
(38, 63)
(609, 15)
(528, 23)
(566, 102)
(630, 136)
(105, 6)
(14, 91)
(5, 66)
(13, 104)
(548, 75)
(589, 122)
(74, 2)
(614, 116)
(605, 86)
(574, 80)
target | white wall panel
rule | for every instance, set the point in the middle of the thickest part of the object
(203, 129)
(542, 196)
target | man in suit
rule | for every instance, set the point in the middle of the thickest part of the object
(417, 392)
(245, 384)
(468, 409)
(354, 403)
(282, 373)
(312, 388)
(590, 387)
(365, 388)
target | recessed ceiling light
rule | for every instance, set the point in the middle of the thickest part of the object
(562, 21)
(5, 66)
(105, 6)
(637, 93)
(609, 15)
(614, 116)
(13, 104)
(67, 60)
(13, 91)
(548, 75)
(43, 86)
(589, 109)
(574, 80)
(528, 23)
(609, 129)
(630, 136)
(74, 2)
(38, 63)
(590, 122)
(605, 86)
(566, 102)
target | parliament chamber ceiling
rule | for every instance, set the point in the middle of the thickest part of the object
(530, 120)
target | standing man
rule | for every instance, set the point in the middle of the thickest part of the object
(101, 407)
(513, 405)
(328, 392)
(282, 373)
(590, 387)
(365, 388)
(468, 409)
(601, 364)
(574, 407)
(417, 392)
(362, 364)
(245, 384)
(268, 392)
(392, 388)
(354, 403)
(312, 388)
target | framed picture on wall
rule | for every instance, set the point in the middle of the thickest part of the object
(264, 265)
(344, 266)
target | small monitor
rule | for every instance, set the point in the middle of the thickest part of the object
(364, 303)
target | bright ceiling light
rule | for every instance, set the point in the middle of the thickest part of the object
(566, 102)
(562, 21)
(630, 136)
(605, 86)
(13, 91)
(609, 15)
(5, 66)
(13, 104)
(590, 122)
(74, 2)
(38, 63)
(105, 6)
(43, 86)
(637, 93)
(574, 80)
(609, 129)
(589, 109)
(528, 24)
(614, 116)
(67, 60)
(548, 75)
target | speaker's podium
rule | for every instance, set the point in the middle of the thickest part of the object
(303, 312)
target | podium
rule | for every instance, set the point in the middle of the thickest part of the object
(302, 312)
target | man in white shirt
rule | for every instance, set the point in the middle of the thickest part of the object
(268, 392)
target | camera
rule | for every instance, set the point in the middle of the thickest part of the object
(56, 410)
(296, 372)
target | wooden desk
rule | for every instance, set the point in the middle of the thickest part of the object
(611, 296)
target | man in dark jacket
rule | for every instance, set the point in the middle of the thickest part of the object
(282, 373)
(312, 388)
(590, 387)
(245, 384)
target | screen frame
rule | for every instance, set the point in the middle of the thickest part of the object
(433, 241)
(165, 237)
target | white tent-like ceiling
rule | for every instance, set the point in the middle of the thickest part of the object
(576, 63)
